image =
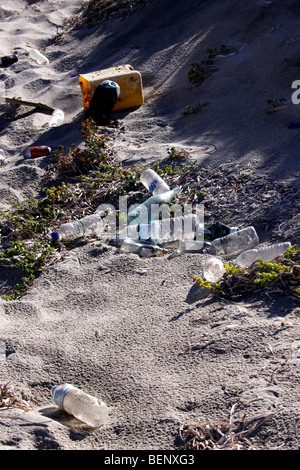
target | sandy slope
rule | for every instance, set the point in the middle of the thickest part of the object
(137, 332)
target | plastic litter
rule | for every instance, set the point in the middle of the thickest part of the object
(235, 242)
(128, 79)
(8, 60)
(218, 230)
(143, 249)
(153, 182)
(265, 253)
(189, 245)
(89, 225)
(57, 118)
(158, 199)
(213, 270)
(81, 405)
(103, 101)
(38, 57)
(167, 230)
(2, 351)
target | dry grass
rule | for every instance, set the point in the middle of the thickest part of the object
(228, 434)
(9, 398)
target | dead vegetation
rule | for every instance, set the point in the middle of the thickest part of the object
(227, 434)
(9, 398)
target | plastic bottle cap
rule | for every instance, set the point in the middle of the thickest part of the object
(55, 236)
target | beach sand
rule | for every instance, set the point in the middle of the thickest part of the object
(138, 333)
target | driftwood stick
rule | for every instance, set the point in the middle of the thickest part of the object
(28, 103)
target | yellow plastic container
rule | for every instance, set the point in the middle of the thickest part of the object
(128, 79)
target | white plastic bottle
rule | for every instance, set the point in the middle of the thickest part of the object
(81, 405)
(2, 156)
(57, 118)
(235, 242)
(38, 57)
(153, 182)
(265, 253)
(89, 225)
(213, 270)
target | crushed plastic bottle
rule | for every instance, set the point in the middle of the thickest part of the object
(153, 182)
(235, 242)
(57, 118)
(38, 57)
(265, 253)
(81, 405)
(213, 270)
(89, 225)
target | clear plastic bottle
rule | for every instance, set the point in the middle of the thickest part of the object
(189, 245)
(81, 405)
(2, 156)
(153, 182)
(172, 229)
(38, 57)
(89, 225)
(213, 270)
(235, 242)
(157, 199)
(265, 253)
(57, 118)
(138, 247)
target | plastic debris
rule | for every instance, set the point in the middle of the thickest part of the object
(265, 253)
(153, 182)
(38, 57)
(57, 118)
(213, 270)
(81, 405)
(235, 242)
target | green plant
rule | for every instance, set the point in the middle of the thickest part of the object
(29, 258)
(80, 160)
(192, 109)
(275, 104)
(212, 286)
(171, 169)
(198, 72)
(263, 274)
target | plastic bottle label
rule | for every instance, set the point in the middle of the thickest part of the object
(154, 184)
(79, 228)
(59, 393)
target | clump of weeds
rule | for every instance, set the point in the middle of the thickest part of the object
(281, 275)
